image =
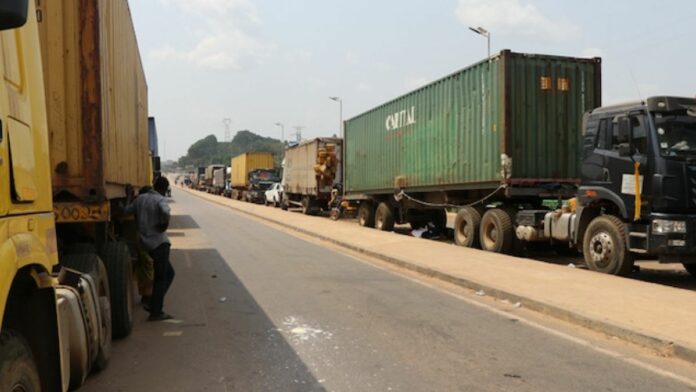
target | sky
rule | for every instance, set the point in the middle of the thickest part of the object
(262, 62)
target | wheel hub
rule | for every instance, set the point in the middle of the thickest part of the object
(601, 249)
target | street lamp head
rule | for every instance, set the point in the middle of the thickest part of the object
(279, 124)
(337, 99)
(480, 30)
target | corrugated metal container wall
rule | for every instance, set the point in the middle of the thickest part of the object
(96, 84)
(451, 133)
(244, 163)
(298, 171)
(545, 121)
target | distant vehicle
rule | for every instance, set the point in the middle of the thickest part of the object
(260, 180)
(310, 170)
(274, 195)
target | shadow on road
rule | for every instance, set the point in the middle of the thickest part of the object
(224, 341)
(182, 222)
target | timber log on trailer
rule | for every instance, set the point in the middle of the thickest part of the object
(98, 127)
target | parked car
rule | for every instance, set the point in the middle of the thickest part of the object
(274, 194)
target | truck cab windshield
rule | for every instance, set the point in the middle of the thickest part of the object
(676, 135)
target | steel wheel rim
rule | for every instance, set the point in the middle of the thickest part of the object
(601, 249)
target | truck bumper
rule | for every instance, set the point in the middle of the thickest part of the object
(673, 247)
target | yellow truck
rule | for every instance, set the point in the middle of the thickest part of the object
(252, 174)
(56, 325)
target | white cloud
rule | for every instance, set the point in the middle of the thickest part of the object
(225, 39)
(514, 17)
(352, 57)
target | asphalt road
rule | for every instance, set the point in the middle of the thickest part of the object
(262, 310)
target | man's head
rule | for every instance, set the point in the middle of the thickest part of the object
(161, 185)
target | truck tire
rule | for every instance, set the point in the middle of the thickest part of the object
(91, 264)
(80, 248)
(439, 219)
(284, 204)
(118, 263)
(495, 233)
(306, 205)
(690, 268)
(366, 214)
(18, 370)
(384, 217)
(466, 227)
(604, 246)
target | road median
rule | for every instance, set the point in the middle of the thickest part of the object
(654, 316)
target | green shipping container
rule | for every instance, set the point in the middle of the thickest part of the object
(513, 120)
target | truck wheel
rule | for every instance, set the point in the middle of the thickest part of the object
(439, 219)
(284, 204)
(18, 371)
(80, 248)
(118, 263)
(466, 227)
(495, 233)
(690, 268)
(366, 215)
(384, 217)
(91, 264)
(604, 246)
(306, 206)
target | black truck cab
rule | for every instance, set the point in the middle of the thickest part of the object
(639, 164)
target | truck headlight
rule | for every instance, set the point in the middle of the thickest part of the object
(663, 226)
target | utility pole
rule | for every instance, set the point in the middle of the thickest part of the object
(228, 133)
(298, 134)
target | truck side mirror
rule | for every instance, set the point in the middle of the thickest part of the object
(13, 13)
(624, 130)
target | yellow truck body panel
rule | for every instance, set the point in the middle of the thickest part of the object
(27, 228)
(97, 98)
(244, 163)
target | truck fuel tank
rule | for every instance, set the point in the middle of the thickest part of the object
(542, 225)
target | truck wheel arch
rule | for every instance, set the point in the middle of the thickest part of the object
(599, 207)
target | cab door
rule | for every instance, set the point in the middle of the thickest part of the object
(617, 172)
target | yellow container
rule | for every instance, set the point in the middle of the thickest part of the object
(96, 98)
(244, 163)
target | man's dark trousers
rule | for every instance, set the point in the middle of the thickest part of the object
(164, 275)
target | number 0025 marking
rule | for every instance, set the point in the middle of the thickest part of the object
(81, 213)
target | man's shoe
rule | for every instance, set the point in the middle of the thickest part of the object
(159, 317)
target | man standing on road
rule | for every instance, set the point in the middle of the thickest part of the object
(152, 214)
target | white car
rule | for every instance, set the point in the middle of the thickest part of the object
(274, 194)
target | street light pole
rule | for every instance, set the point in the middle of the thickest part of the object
(282, 132)
(340, 114)
(481, 31)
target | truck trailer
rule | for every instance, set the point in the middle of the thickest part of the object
(311, 169)
(252, 174)
(98, 128)
(56, 326)
(501, 139)
(209, 177)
